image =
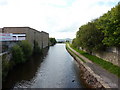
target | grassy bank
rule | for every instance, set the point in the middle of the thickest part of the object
(106, 65)
(74, 53)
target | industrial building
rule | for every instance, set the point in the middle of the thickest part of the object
(15, 34)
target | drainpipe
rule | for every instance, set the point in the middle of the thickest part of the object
(42, 40)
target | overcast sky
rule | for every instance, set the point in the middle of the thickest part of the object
(60, 18)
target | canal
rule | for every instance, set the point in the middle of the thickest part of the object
(56, 68)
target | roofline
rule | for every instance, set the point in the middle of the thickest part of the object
(44, 32)
(26, 27)
(16, 27)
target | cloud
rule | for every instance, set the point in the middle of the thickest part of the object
(3, 2)
(60, 18)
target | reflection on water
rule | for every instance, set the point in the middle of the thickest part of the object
(55, 69)
(24, 72)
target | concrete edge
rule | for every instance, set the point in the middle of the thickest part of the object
(99, 79)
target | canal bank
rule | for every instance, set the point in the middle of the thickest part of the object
(92, 74)
(56, 69)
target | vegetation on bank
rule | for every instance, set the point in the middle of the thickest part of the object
(100, 33)
(36, 48)
(74, 53)
(6, 66)
(106, 65)
(0, 72)
(20, 52)
(52, 41)
(17, 54)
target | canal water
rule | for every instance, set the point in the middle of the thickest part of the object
(56, 68)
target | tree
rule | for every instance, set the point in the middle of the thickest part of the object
(109, 23)
(89, 37)
(17, 54)
(52, 41)
(26, 48)
(36, 49)
(102, 32)
(75, 43)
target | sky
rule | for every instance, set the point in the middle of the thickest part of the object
(60, 18)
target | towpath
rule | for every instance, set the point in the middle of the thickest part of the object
(110, 79)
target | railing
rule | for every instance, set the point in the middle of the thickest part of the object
(3, 53)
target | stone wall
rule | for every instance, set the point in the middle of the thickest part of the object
(119, 56)
(109, 56)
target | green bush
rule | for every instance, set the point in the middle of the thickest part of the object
(26, 48)
(89, 37)
(20, 53)
(17, 54)
(36, 49)
(52, 41)
(100, 33)
(5, 68)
